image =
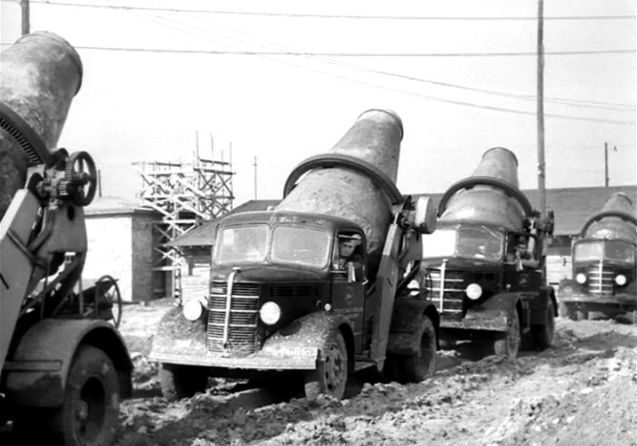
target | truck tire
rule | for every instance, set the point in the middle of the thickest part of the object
(181, 381)
(88, 416)
(507, 344)
(415, 368)
(330, 375)
(90, 412)
(544, 335)
(423, 364)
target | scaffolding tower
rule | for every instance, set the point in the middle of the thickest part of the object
(186, 195)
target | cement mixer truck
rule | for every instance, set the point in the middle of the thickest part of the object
(483, 266)
(604, 264)
(278, 300)
(63, 366)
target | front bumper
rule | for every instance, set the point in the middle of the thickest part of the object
(268, 358)
(488, 320)
(620, 303)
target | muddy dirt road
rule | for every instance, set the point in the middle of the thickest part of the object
(582, 391)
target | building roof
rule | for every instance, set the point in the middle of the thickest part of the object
(115, 206)
(203, 235)
(572, 208)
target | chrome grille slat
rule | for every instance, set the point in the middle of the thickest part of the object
(600, 279)
(452, 291)
(241, 328)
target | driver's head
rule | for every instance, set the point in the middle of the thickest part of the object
(346, 248)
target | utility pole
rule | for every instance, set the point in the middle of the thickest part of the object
(24, 5)
(606, 179)
(541, 173)
(255, 177)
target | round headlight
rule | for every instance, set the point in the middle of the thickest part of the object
(580, 278)
(474, 291)
(192, 310)
(620, 279)
(270, 313)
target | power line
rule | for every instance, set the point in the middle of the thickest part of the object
(349, 54)
(332, 16)
(521, 96)
(260, 42)
(463, 103)
(188, 29)
(403, 91)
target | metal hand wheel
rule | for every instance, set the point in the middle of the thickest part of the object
(109, 299)
(81, 172)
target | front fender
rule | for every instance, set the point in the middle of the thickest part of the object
(492, 314)
(294, 347)
(307, 335)
(37, 372)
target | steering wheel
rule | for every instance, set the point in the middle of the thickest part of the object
(82, 175)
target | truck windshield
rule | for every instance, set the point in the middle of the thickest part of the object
(604, 249)
(300, 245)
(242, 244)
(474, 242)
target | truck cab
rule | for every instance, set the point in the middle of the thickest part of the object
(475, 262)
(603, 264)
(286, 266)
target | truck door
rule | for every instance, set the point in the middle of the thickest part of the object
(348, 282)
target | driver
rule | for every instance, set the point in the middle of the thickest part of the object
(347, 255)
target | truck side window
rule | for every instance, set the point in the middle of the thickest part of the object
(520, 250)
(349, 258)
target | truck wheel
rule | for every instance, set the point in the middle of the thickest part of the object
(507, 344)
(181, 381)
(417, 367)
(330, 375)
(89, 414)
(544, 334)
(423, 364)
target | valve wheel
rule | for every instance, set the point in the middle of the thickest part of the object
(107, 292)
(80, 170)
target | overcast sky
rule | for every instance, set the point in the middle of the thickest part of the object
(148, 105)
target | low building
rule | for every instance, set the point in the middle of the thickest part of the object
(120, 244)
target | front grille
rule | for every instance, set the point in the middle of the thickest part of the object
(448, 297)
(600, 280)
(242, 318)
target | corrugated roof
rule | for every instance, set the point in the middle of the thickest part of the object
(572, 206)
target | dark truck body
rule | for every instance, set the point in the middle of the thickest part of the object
(603, 264)
(470, 269)
(277, 302)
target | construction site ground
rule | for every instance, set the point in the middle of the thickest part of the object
(582, 391)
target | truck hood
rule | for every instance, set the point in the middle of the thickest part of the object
(269, 273)
(462, 263)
